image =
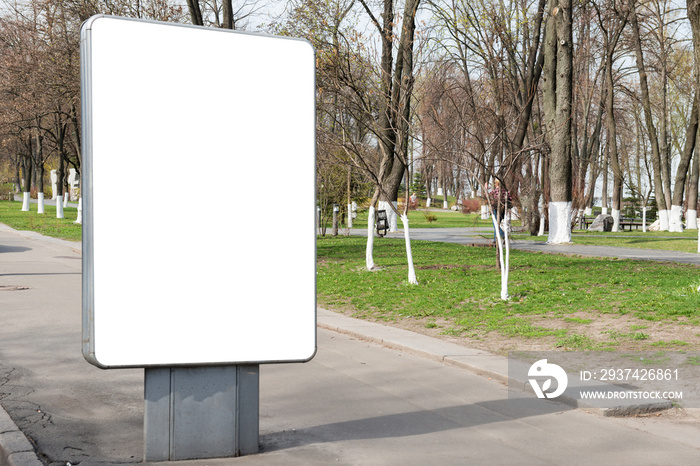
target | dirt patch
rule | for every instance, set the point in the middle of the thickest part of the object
(623, 332)
(444, 329)
(585, 331)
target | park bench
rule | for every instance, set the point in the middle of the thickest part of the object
(631, 222)
(585, 222)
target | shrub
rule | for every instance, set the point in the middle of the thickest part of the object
(6, 192)
(430, 217)
(470, 206)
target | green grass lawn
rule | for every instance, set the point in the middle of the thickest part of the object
(686, 241)
(555, 299)
(47, 224)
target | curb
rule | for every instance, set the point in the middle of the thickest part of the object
(479, 362)
(32, 235)
(15, 448)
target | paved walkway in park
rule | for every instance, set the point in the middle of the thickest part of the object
(483, 236)
(373, 395)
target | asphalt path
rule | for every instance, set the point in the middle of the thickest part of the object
(484, 236)
(355, 403)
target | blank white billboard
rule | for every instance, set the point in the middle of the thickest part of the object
(199, 195)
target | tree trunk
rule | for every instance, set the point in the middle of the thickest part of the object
(369, 250)
(612, 145)
(692, 213)
(675, 221)
(694, 19)
(18, 179)
(76, 135)
(604, 192)
(591, 157)
(37, 151)
(412, 279)
(558, 98)
(227, 12)
(27, 180)
(648, 118)
(195, 12)
(428, 192)
(59, 207)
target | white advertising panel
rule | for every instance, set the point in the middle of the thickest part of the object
(199, 195)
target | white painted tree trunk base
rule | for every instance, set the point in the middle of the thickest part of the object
(484, 212)
(391, 217)
(409, 255)
(675, 221)
(559, 223)
(369, 261)
(691, 219)
(505, 270)
(616, 220)
(79, 220)
(644, 219)
(427, 202)
(445, 205)
(663, 220)
(59, 207)
(40, 203)
(503, 258)
(25, 202)
(604, 211)
(588, 211)
(349, 215)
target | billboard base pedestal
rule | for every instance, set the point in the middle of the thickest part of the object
(201, 412)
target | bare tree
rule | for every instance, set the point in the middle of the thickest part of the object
(659, 147)
(612, 25)
(225, 14)
(694, 19)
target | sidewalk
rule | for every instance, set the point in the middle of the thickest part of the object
(372, 395)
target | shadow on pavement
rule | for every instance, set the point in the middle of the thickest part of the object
(4, 249)
(412, 423)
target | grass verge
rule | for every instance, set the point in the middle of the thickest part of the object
(47, 224)
(558, 302)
